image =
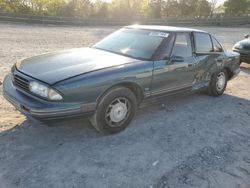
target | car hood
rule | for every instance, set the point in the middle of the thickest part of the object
(57, 66)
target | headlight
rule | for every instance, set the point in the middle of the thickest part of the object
(44, 91)
(238, 46)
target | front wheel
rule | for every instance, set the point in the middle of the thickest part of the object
(218, 83)
(115, 111)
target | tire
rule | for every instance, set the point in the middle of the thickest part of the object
(218, 83)
(115, 111)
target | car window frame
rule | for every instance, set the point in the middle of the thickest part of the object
(195, 47)
(165, 48)
(212, 37)
(191, 42)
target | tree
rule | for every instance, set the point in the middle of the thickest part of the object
(213, 5)
(156, 8)
(171, 9)
(203, 8)
(188, 8)
(15, 6)
(82, 8)
(236, 8)
(126, 9)
(130, 9)
(120, 9)
(48, 7)
(100, 9)
(145, 9)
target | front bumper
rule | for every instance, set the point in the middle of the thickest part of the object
(41, 109)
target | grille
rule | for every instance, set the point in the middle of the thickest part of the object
(21, 83)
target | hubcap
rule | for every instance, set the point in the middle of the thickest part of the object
(221, 81)
(117, 112)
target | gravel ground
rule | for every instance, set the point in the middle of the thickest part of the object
(191, 141)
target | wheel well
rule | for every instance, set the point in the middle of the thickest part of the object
(136, 89)
(229, 72)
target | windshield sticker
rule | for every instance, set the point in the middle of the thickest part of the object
(159, 34)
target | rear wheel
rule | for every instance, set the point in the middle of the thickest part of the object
(218, 83)
(115, 111)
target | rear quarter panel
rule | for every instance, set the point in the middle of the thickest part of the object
(232, 60)
(209, 64)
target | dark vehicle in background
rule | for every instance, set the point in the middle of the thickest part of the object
(108, 81)
(243, 47)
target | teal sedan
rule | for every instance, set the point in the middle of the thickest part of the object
(243, 48)
(108, 81)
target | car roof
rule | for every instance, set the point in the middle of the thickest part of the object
(164, 28)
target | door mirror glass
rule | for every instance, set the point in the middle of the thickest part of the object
(246, 36)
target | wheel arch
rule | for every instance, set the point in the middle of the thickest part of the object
(133, 86)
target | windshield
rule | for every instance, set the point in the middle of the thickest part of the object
(135, 43)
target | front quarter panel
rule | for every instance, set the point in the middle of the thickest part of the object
(90, 86)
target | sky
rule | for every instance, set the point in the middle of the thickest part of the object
(221, 2)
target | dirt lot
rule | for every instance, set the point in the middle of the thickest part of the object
(195, 141)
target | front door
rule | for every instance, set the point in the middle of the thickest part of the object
(178, 72)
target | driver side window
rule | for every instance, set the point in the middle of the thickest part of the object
(182, 46)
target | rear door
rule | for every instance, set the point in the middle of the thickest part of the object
(177, 71)
(210, 56)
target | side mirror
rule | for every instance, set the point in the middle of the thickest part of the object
(176, 59)
(246, 36)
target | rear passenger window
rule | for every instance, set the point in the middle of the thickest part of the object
(182, 46)
(203, 43)
(217, 46)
